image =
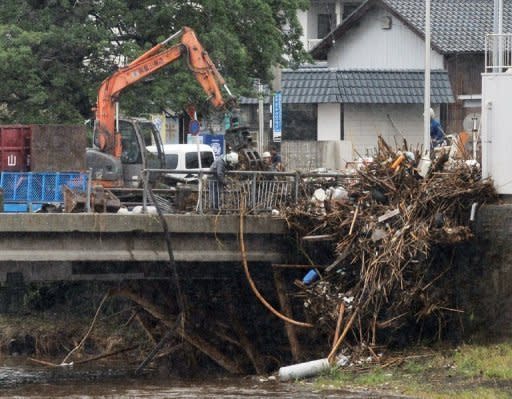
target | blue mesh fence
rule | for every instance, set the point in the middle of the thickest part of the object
(38, 188)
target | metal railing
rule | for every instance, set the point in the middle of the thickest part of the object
(498, 52)
(250, 191)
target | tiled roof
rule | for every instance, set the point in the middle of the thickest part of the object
(457, 26)
(324, 85)
(310, 85)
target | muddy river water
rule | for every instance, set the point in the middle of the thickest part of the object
(21, 379)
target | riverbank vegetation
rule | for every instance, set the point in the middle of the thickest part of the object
(467, 371)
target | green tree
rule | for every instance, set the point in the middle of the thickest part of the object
(55, 53)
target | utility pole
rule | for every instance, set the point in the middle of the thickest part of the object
(426, 112)
(261, 120)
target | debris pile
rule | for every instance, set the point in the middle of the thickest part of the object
(391, 233)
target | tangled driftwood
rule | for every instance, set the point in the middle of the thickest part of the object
(391, 265)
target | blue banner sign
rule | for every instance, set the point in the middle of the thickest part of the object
(277, 116)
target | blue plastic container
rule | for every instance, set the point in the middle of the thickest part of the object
(310, 277)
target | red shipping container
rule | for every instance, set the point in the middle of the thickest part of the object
(15, 148)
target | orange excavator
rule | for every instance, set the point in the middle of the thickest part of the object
(119, 152)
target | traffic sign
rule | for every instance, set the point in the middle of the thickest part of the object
(194, 126)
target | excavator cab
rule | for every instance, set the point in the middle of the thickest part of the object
(136, 135)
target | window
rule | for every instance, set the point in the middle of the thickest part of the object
(300, 121)
(148, 132)
(349, 9)
(171, 161)
(324, 24)
(191, 160)
(150, 135)
(130, 144)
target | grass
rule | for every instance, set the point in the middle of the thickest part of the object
(469, 371)
(476, 393)
(488, 361)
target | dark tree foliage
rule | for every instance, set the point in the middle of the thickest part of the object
(55, 53)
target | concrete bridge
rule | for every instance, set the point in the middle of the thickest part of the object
(49, 247)
(46, 247)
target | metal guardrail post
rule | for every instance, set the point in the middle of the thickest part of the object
(297, 179)
(145, 179)
(200, 193)
(253, 191)
(89, 190)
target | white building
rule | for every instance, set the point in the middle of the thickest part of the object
(371, 82)
(322, 17)
(368, 80)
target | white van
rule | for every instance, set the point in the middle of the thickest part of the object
(183, 157)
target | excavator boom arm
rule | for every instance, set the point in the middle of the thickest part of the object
(156, 58)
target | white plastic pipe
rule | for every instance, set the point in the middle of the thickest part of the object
(303, 370)
(472, 216)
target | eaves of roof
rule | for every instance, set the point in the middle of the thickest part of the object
(325, 85)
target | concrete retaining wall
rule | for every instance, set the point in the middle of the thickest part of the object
(308, 155)
(485, 272)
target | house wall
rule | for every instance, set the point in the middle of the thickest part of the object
(369, 46)
(329, 122)
(365, 122)
(302, 16)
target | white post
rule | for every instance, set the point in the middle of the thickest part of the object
(199, 207)
(117, 117)
(426, 111)
(494, 38)
(261, 120)
(500, 35)
(338, 11)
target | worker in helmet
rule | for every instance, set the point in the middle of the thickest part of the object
(277, 163)
(217, 180)
(267, 160)
(436, 131)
